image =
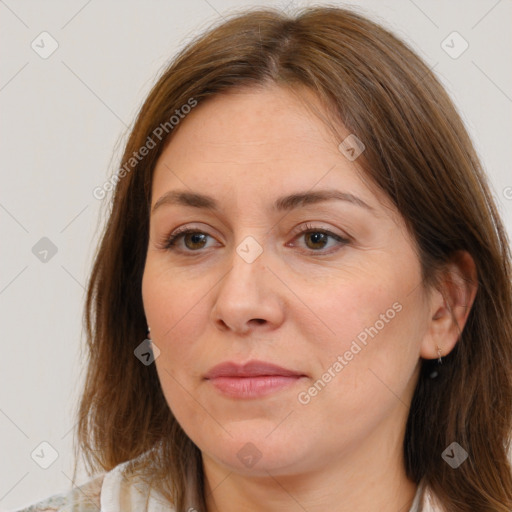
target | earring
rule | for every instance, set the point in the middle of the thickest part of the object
(435, 373)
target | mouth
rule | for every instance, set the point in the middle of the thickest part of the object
(251, 380)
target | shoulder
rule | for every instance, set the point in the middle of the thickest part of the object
(83, 498)
(117, 490)
(124, 488)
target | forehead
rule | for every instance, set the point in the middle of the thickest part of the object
(252, 125)
(254, 142)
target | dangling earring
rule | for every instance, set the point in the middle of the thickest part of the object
(435, 372)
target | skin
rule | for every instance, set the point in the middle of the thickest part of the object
(300, 305)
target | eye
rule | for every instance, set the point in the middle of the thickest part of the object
(318, 239)
(193, 240)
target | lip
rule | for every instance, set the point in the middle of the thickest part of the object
(251, 380)
(250, 369)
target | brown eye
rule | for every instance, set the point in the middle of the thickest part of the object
(316, 240)
(319, 239)
(192, 240)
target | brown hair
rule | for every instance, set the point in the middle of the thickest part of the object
(417, 151)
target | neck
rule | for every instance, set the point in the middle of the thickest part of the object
(347, 487)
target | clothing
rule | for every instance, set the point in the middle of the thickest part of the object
(113, 492)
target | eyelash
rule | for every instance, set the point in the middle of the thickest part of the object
(169, 242)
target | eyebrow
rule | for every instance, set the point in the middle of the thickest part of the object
(284, 203)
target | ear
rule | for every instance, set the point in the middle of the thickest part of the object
(450, 306)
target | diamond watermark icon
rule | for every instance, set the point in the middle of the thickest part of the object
(454, 455)
(44, 455)
(147, 352)
(351, 147)
(44, 45)
(249, 455)
(454, 45)
(249, 249)
(44, 250)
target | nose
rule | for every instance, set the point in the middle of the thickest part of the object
(249, 297)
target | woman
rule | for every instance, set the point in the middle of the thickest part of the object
(302, 230)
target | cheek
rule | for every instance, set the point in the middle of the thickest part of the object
(372, 326)
(173, 309)
(359, 310)
(171, 299)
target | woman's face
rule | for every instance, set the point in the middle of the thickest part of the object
(278, 271)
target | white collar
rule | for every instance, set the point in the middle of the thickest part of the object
(120, 494)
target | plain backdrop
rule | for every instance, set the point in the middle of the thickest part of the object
(64, 118)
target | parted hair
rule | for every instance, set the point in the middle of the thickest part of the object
(417, 151)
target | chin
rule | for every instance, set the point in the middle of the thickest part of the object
(257, 454)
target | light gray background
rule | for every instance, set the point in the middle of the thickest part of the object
(63, 122)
